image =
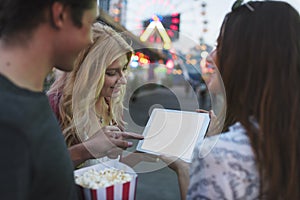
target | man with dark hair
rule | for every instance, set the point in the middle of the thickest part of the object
(36, 35)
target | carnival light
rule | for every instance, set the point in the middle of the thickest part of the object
(156, 24)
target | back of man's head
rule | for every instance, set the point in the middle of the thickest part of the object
(18, 18)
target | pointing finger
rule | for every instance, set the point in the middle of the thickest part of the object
(130, 135)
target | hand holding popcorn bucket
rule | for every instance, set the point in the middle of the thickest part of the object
(110, 180)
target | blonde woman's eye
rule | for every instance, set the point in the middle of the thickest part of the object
(110, 73)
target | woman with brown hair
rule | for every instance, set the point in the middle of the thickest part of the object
(257, 156)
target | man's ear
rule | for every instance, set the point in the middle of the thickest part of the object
(58, 14)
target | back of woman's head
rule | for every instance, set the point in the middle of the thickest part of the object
(259, 60)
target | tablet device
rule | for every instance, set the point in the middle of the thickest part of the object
(174, 133)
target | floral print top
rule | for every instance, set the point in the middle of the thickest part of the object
(224, 167)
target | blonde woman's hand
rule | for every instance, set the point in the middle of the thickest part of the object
(116, 133)
(101, 144)
(108, 141)
(117, 139)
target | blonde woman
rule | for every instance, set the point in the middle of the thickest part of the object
(89, 100)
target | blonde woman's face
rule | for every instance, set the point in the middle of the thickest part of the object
(115, 78)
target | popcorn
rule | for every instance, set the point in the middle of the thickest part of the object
(95, 179)
(106, 181)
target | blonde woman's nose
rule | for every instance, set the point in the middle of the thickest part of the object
(123, 80)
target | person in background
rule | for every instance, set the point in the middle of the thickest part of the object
(35, 163)
(89, 100)
(257, 156)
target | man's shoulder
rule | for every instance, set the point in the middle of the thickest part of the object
(27, 111)
(15, 105)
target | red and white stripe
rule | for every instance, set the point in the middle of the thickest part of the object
(125, 191)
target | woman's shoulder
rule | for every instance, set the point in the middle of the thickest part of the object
(224, 166)
(235, 140)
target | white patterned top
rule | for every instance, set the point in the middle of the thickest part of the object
(224, 167)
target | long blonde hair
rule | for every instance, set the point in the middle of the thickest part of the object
(80, 89)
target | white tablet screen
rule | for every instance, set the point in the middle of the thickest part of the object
(174, 133)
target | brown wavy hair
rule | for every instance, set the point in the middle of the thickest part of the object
(259, 60)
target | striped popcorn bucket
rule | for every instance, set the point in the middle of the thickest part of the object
(125, 191)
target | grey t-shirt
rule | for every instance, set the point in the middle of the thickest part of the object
(35, 163)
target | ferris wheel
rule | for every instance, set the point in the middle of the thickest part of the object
(193, 21)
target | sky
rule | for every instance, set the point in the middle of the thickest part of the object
(216, 11)
(191, 16)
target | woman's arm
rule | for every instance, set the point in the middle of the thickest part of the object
(182, 169)
(183, 180)
(79, 154)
